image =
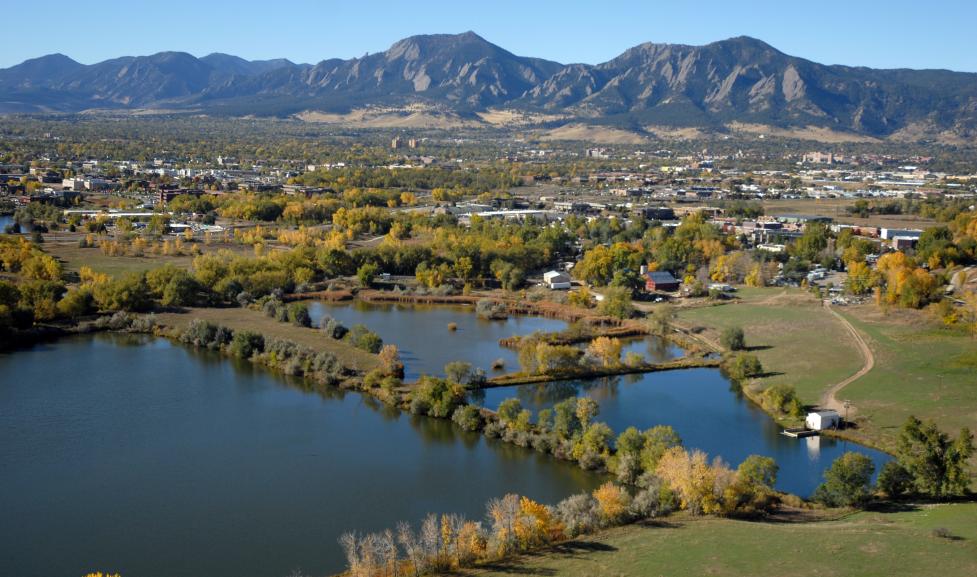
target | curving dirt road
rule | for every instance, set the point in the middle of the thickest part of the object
(829, 399)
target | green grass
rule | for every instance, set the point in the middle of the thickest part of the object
(920, 370)
(73, 258)
(864, 544)
(797, 340)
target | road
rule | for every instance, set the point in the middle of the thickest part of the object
(829, 400)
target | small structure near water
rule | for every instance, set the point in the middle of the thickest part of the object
(820, 420)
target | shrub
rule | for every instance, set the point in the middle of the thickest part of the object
(782, 398)
(332, 328)
(733, 339)
(245, 344)
(363, 338)
(578, 514)
(468, 417)
(298, 315)
(492, 310)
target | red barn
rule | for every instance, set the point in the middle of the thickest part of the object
(660, 281)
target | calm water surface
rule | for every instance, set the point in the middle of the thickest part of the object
(141, 457)
(705, 411)
(421, 333)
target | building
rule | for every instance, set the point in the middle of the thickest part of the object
(556, 280)
(821, 420)
(660, 280)
(397, 143)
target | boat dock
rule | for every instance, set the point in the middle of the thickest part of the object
(798, 432)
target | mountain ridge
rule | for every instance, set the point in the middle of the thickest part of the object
(737, 80)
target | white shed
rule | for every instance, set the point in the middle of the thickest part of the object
(820, 420)
(556, 279)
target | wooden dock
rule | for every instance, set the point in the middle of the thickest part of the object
(798, 432)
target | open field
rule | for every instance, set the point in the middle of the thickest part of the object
(920, 369)
(864, 544)
(797, 340)
(73, 258)
(835, 208)
(238, 318)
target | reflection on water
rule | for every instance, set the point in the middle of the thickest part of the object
(138, 455)
(707, 411)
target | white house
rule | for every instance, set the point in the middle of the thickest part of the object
(820, 420)
(556, 280)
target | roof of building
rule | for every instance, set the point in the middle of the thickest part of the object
(661, 276)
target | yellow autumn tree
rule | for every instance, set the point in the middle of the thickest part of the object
(606, 349)
(613, 502)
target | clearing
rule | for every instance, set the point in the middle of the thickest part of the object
(865, 544)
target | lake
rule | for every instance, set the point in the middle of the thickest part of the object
(426, 345)
(706, 411)
(421, 333)
(138, 456)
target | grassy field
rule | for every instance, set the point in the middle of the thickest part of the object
(920, 369)
(238, 318)
(73, 258)
(835, 208)
(797, 341)
(864, 545)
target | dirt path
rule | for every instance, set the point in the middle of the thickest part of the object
(829, 399)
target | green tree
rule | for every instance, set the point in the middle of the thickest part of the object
(733, 339)
(617, 303)
(847, 482)
(366, 273)
(937, 463)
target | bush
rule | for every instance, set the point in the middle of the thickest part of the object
(782, 398)
(363, 338)
(733, 339)
(492, 310)
(894, 480)
(579, 514)
(246, 344)
(332, 328)
(468, 417)
(742, 366)
(298, 315)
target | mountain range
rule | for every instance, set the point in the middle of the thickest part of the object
(739, 81)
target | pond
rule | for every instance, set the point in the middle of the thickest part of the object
(138, 456)
(425, 342)
(706, 411)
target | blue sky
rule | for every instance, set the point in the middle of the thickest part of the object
(878, 33)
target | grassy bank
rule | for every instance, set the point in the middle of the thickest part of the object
(798, 341)
(920, 369)
(863, 544)
(247, 319)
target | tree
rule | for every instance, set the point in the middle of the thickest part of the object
(509, 410)
(743, 366)
(617, 303)
(937, 464)
(894, 480)
(847, 482)
(365, 273)
(607, 350)
(732, 338)
(586, 409)
(758, 472)
(661, 320)
(612, 503)
(565, 421)
(504, 513)
(468, 417)
(657, 440)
